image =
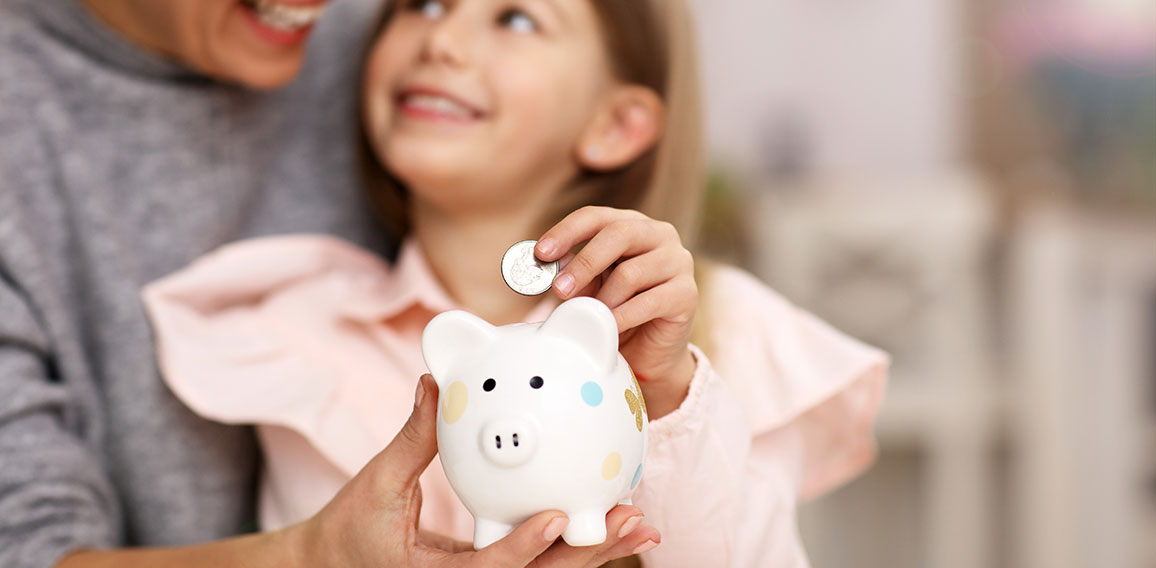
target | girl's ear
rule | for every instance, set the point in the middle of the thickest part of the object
(627, 124)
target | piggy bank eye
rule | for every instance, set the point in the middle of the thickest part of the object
(489, 385)
(536, 382)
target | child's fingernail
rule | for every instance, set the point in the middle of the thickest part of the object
(420, 394)
(564, 284)
(555, 528)
(546, 247)
(629, 526)
(645, 547)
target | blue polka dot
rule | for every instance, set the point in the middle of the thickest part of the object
(637, 476)
(592, 393)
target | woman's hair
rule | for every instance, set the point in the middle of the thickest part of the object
(650, 43)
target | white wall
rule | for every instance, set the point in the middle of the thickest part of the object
(877, 82)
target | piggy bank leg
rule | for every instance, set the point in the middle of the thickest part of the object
(586, 528)
(487, 532)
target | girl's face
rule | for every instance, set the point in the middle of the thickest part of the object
(472, 103)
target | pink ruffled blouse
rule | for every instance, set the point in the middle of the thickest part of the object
(317, 343)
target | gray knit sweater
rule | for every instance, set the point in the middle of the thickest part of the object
(118, 167)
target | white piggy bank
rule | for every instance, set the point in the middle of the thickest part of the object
(536, 417)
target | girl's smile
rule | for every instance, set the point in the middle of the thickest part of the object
(426, 103)
(473, 102)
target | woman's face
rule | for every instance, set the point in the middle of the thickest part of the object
(471, 103)
(257, 43)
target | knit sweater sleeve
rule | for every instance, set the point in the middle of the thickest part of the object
(55, 495)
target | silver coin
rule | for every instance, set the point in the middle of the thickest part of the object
(524, 273)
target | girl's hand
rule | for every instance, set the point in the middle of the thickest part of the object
(373, 521)
(638, 267)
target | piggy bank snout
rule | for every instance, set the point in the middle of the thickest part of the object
(509, 442)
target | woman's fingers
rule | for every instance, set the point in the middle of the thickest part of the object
(644, 539)
(536, 543)
(442, 542)
(625, 531)
(521, 547)
(402, 462)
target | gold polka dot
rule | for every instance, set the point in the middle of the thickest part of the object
(635, 407)
(637, 388)
(611, 466)
(454, 403)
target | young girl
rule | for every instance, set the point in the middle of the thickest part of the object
(488, 122)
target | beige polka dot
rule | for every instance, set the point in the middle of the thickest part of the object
(611, 465)
(454, 403)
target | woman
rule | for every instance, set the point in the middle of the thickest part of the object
(136, 135)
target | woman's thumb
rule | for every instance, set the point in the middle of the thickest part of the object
(415, 445)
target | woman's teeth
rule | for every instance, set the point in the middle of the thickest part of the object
(439, 105)
(285, 17)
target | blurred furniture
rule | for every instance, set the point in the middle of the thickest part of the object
(899, 262)
(1020, 425)
(1083, 301)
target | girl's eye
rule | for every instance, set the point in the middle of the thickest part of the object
(432, 9)
(518, 21)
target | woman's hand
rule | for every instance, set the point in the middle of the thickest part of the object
(638, 267)
(373, 521)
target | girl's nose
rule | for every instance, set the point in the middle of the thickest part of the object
(446, 41)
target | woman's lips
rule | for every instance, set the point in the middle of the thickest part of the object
(283, 23)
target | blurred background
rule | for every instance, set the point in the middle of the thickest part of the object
(970, 185)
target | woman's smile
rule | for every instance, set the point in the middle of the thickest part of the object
(284, 22)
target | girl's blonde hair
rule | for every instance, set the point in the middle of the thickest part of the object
(650, 43)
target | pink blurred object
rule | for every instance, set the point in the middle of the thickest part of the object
(1102, 37)
(318, 343)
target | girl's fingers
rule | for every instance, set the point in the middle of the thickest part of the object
(668, 301)
(642, 273)
(616, 241)
(577, 227)
(565, 260)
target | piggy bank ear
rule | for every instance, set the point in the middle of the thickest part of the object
(589, 323)
(448, 336)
